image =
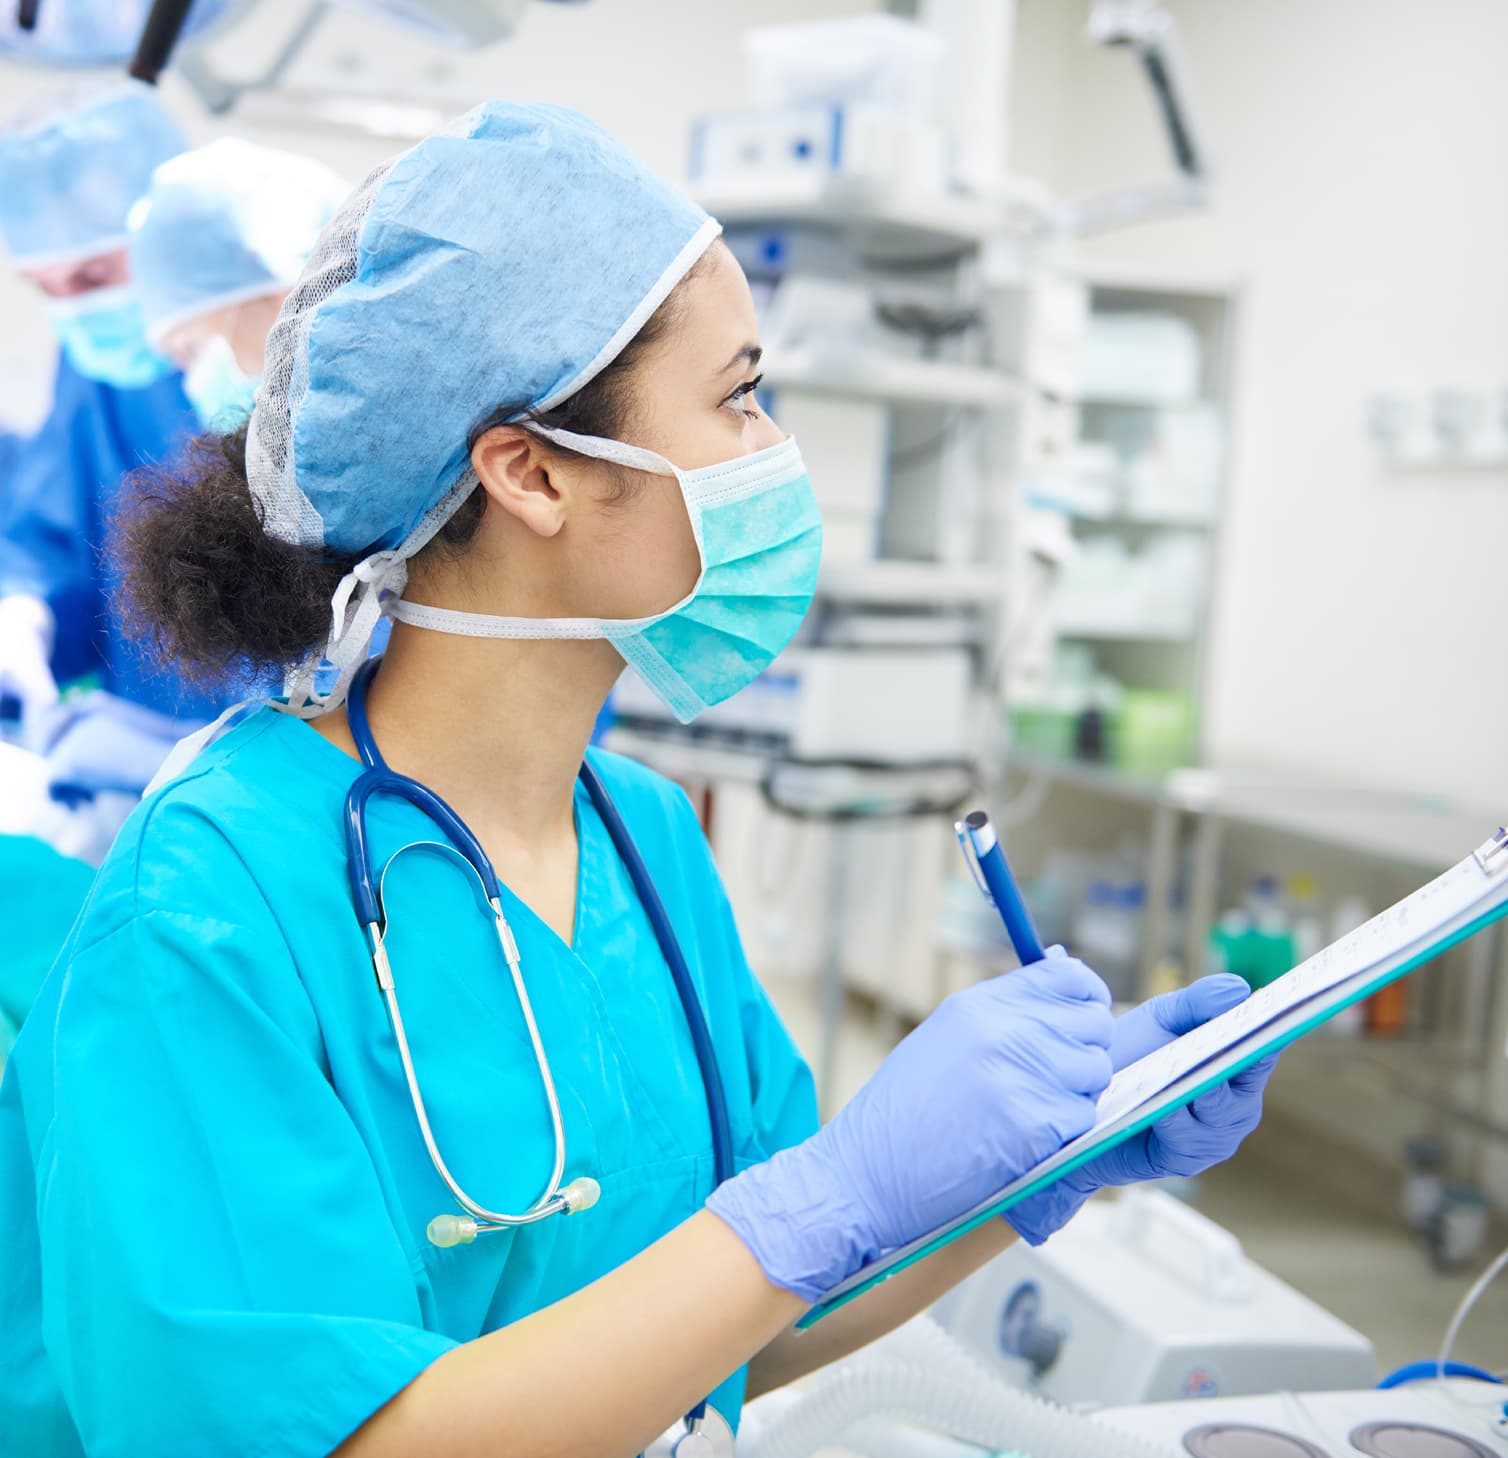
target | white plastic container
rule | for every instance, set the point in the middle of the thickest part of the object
(1152, 359)
(878, 59)
(797, 147)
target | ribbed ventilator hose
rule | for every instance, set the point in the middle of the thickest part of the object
(880, 1438)
(922, 1377)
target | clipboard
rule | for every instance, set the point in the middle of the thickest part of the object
(1470, 896)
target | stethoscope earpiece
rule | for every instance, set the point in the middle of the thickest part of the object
(580, 1194)
(448, 1230)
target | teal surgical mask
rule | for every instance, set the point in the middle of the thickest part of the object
(102, 334)
(220, 391)
(759, 534)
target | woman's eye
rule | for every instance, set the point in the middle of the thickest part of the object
(744, 392)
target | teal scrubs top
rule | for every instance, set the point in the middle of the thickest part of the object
(213, 1192)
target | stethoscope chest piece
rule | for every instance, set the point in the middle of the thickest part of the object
(707, 1436)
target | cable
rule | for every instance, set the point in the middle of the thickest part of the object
(1185, 153)
(1420, 1371)
(1464, 1310)
(159, 35)
(931, 323)
(670, 947)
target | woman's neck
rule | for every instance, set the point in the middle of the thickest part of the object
(497, 727)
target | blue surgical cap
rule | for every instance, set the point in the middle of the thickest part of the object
(225, 223)
(497, 266)
(70, 172)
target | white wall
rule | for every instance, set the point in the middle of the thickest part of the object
(642, 68)
(1362, 148)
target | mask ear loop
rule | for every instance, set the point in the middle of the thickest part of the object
(600, 447)
(636, 458)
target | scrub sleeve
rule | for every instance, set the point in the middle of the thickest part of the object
(219, 1272)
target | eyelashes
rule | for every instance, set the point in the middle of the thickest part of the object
(742, 393)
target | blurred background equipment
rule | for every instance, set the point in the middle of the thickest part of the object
(1457, 1419)
(1143, 1299)
(149, 37)
(63, 33)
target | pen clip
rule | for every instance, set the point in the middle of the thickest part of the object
(1486, 853)
(971, 857)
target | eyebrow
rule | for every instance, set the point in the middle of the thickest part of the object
(749, 355)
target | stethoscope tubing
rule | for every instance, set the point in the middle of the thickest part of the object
(377, 778)
(670, 948)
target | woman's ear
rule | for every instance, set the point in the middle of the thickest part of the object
(520, 477)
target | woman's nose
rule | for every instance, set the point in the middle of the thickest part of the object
(765, 434)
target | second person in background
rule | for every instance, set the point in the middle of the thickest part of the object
(217, 242)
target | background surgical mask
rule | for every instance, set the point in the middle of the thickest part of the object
(220, 391)
(104, 338)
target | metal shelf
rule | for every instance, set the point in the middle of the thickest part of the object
(1149, 521)
(1106, 400)
(893, 378)
(899, 225)
(1415, 1069)
(1414, 831)
(1119, 784)
(922, 584)
(683, 758)
(1126, 632)
(1119, 276)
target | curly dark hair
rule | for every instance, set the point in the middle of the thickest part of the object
(202, 584)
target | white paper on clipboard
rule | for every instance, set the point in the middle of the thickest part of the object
(1164, 1080)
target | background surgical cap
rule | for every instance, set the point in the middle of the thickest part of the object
(498, 265)
(72, 167)
(225, 223)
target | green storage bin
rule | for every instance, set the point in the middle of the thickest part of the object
(1153, 730)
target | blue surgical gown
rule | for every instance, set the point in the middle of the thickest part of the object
(57, 495)
(213, 1193)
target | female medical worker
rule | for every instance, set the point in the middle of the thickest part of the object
(513, 390)
(216, 243)
(71, 167)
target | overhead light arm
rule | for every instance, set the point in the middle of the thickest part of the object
(1145, 28)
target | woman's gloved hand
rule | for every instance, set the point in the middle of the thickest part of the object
(998, 1077)
(1187, 1142)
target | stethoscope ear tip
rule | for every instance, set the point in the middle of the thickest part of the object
(580, 1194)
(448, 1230)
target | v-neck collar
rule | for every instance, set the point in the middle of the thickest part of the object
(584, 821)
(584, 825)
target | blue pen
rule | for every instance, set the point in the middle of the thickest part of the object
(981, 849)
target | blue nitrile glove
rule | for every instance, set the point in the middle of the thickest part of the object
(1000, 1076)
(1186, 1142)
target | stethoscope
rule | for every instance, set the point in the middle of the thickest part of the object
(581, 1193)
